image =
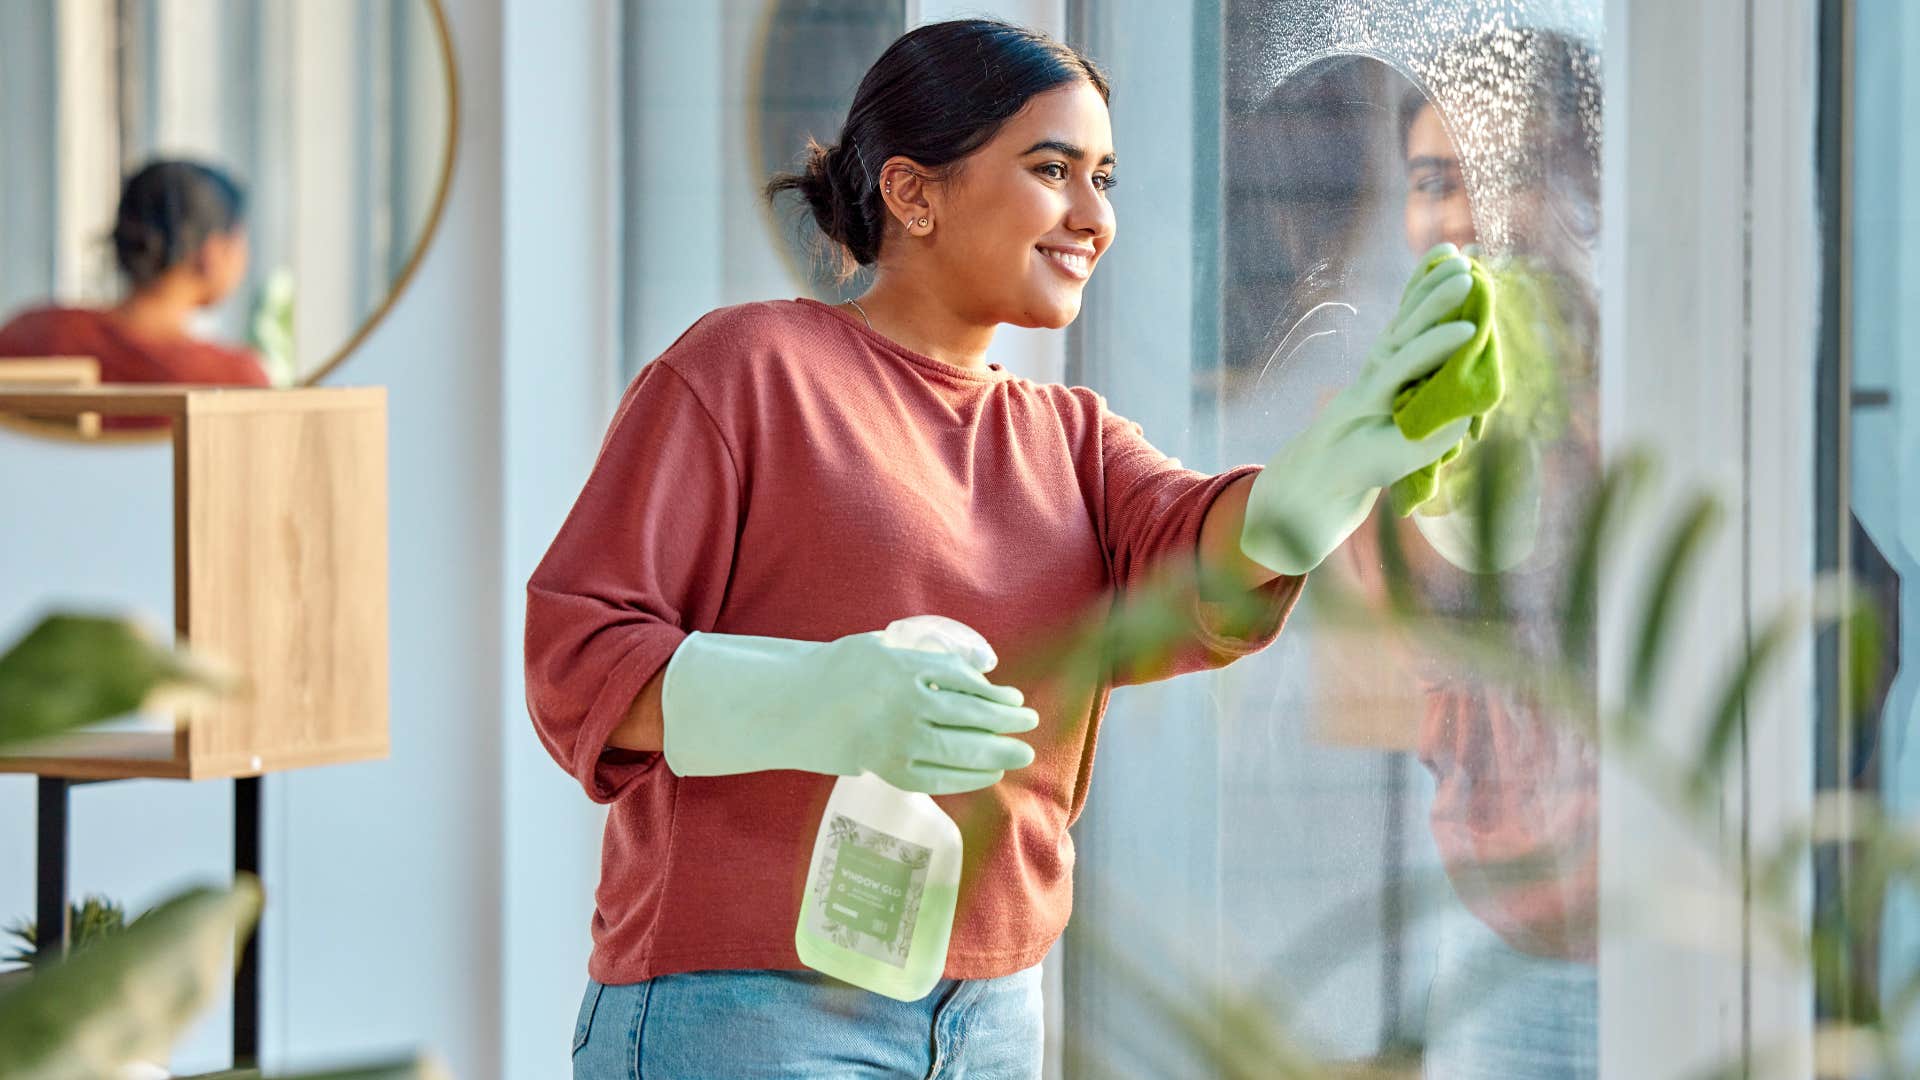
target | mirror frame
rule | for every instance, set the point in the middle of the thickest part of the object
(443, 36)
(802, 266)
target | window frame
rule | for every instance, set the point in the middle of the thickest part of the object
(1709, 285)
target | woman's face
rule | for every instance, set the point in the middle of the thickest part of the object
(1437, 206)
(1024, 219)
(221, 264)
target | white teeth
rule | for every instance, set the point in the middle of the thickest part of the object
(1076, 264)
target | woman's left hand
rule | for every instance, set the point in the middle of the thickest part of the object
(1320, 486)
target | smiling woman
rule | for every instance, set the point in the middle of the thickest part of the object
(989, 209)
(836, 468)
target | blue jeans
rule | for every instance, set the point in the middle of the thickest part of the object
(1495, 1013)
(763, 1024)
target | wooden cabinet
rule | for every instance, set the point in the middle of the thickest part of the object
(279, 569)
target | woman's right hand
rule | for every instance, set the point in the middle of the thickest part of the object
(920, 719)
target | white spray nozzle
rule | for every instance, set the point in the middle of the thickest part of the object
(937, 633)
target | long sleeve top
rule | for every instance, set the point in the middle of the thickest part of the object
(126, 357)
(782, 471)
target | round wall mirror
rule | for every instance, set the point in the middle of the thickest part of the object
(807, 65)
(314, 138)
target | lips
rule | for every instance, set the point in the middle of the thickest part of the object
(1076, 263)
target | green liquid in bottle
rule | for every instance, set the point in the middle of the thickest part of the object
(885, 877)
(882, 890)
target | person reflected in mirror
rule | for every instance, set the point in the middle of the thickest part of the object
(180, 240)
(1515, 800)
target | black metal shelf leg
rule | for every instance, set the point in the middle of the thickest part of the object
(54, 930)
(246, 977)
(54, 925)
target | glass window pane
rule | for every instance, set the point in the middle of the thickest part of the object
(1870, 435)
(1390, 855)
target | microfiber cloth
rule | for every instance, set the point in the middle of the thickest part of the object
(1467, 384)
(1536, 340)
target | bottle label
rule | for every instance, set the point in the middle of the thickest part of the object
(867, 889)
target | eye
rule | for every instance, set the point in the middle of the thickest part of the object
(1105, 180)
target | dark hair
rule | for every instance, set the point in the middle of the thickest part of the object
(937, 94)
(168, 209)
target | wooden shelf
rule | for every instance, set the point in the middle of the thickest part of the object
(56, 371)
(280, 570)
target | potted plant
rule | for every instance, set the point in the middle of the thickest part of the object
(114, 1006)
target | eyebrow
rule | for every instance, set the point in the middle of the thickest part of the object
(1068, 149)
(1430, 161)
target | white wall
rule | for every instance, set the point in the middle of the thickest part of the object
(561, 380)
(388, 875)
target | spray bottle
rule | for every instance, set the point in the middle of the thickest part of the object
(885, 876)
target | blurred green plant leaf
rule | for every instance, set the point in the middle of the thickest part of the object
(124, 993)
(127, 998)
(1237, 1036)
(73, 670)
(1620, 489)
(1686, 543)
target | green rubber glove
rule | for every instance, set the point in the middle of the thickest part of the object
(1321, 485)
(921, 718)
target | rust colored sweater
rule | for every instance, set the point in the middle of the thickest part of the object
(782, 471)
(125, 357)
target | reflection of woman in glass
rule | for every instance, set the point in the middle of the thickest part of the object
(702, 638)
(1514, 813)
(180, 240)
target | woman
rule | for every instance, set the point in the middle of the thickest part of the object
(702, 642)
(180, 240)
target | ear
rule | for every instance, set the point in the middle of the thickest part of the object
(205, 256)
(909, 192)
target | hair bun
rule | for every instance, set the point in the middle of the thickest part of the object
(168, 209)
(833, 183)
(140, 248)
(843, 168)
(850, 190)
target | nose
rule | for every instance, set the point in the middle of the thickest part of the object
(1091, 215)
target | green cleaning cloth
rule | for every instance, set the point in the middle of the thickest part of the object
(1536, 337)
(1467, 384)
